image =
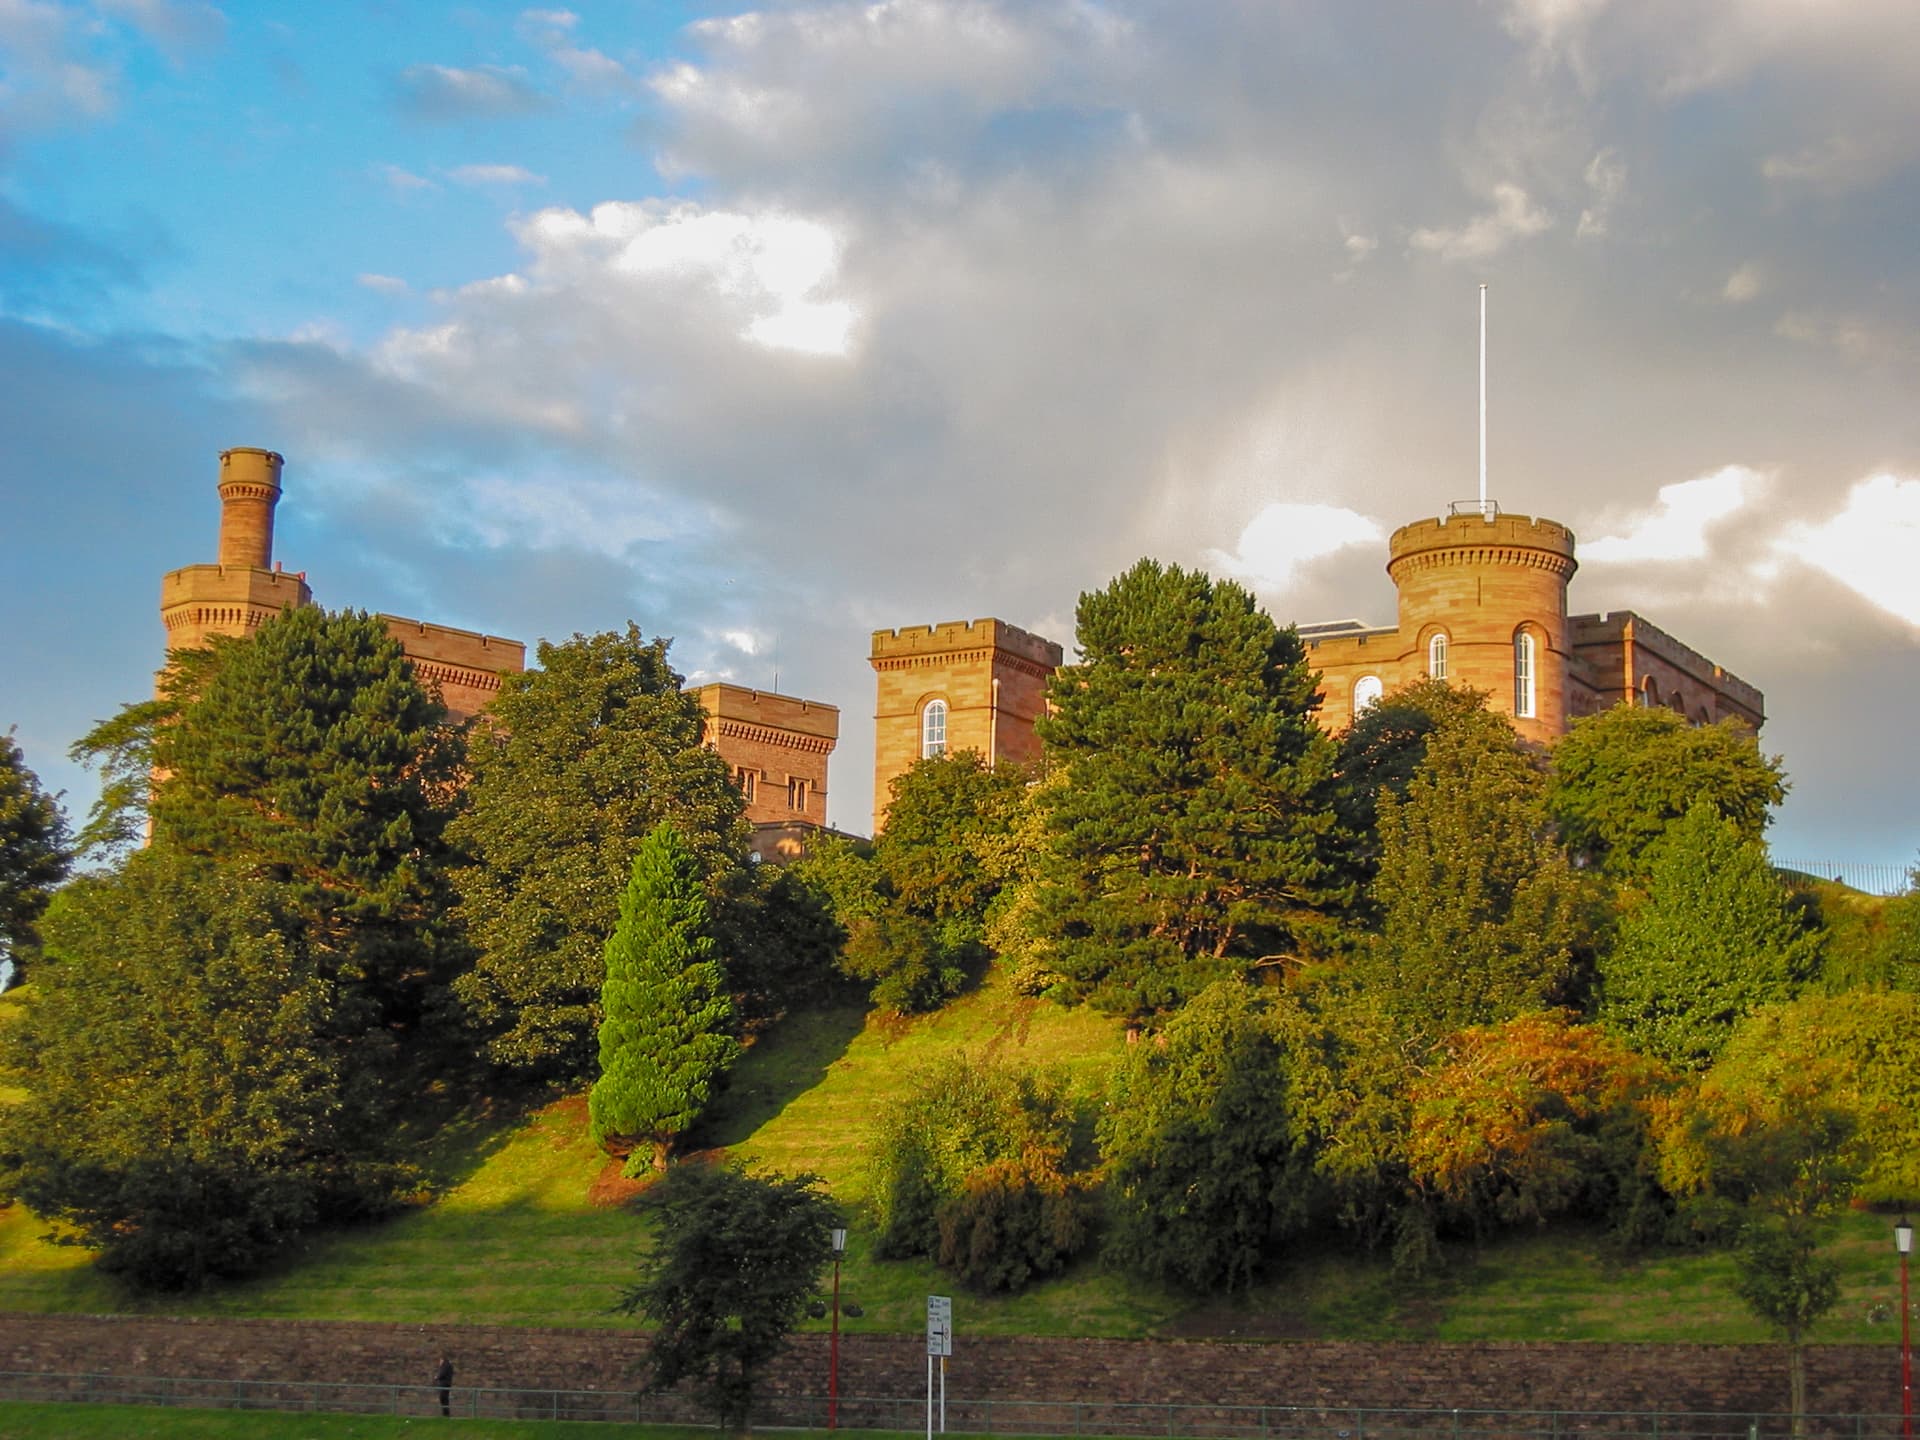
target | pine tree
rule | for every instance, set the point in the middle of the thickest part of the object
(1481, 914)
(312, 755)
(1186, 842)
(664, 1041)
(1713, 940)
(573, 765)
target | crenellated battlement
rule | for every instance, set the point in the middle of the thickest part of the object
(950, 636)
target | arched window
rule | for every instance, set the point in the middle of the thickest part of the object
(933, 729)
(1523, 675)
(1366, 693)
(1649, 693)
(1437, 656)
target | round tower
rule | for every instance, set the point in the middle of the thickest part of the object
(1484, 597)
(249, 489)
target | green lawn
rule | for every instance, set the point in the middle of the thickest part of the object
(528, 1229)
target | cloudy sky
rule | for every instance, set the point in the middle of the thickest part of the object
(768, 328)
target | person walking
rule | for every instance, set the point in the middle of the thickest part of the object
(443, 1378)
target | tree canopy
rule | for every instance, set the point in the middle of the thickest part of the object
(665, 1038)
(1481, 914)
(189, 1098)
(1713, 940)
(573, 765)
(1622, 777)
(1186, 840)
(734, 1260)
(34, 855)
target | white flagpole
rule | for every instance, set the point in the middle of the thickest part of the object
(1483, 401)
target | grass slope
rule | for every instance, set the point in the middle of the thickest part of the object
(527, 1229)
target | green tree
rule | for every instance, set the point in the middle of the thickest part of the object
(734, 1260)
(947, 849)
(1482, 916)
(974, 1166)
(1379, 754)
(1207, 1171)
(1713, 940)
(1623, 777)
(664, 1039)
(188, 1103)
(780, 941)
(312, 755)
(1776, 1167)
(34, 856)
(124, 749)
(1186, 840)
(573, 765)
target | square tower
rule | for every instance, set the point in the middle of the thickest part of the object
(961, 685)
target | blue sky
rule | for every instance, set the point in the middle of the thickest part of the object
(768, 328)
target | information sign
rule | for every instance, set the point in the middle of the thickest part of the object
(939, 1325)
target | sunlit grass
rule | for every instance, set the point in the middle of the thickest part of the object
(528, 1230)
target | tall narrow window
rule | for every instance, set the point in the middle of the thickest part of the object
(1437, 656)
(746, 779)
(1366, 693)
(1523, 675)
(796, 793)
(933, 729)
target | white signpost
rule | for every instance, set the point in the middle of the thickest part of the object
(939, 1342)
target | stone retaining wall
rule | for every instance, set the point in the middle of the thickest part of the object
(1701, 1378)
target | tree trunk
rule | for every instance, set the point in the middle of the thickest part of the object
(1797, 1388)
(661, 1150)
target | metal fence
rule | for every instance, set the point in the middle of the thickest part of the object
(1873, 879)
(973, 1417)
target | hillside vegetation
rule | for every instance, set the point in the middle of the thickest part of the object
(529, 1229)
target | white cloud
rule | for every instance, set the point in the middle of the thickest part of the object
(385, 284)
(402, 181)
(1606, 179)
(495, 175)
(1676, 527)
(745, 641)
(1857, 337)
(770, 268)
(1513, 217)
(1870, 546)
(551, 512)
(1743, 284)
(175, 26)
(1286, 536)
(446, 92)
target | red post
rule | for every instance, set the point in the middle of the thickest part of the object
(833, 1349)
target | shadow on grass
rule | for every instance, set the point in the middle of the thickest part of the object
(783, 1063)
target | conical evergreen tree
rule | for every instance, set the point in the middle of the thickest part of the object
(664, 1041)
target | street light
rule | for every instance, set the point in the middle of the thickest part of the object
(833, 1346)
(1903, 1242)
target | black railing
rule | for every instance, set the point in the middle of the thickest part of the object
(975, 1417)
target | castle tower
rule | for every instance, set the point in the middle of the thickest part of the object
(243, 591)
(1483, 603)
(962, 685)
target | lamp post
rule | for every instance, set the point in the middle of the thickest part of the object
(833, 1345)
(1903, 1242)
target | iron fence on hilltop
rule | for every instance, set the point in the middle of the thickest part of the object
(1873, 879)
(963, 1416)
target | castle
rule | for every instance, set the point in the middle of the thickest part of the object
(1482, 603)
(775, 745)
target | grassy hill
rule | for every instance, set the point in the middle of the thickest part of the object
(528, 1228)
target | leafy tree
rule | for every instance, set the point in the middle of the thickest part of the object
(1206, 1169)
(1861, 1053)
(573, 765)
(1481, 915)
(1713, 940)
(911, 964)
(1533, 1118)
(124, 749)
(188, 1101)
(1379, 754)
(781, 942)
(1623, 777)
(33, 854)
(947, 848)
(1185, 843)
(664, 1041)
(735, 1257)
(312, 755)
(1776, 1167)
(973, 1167)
